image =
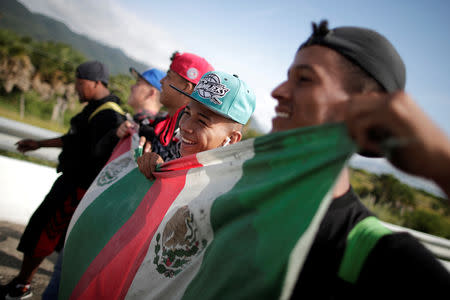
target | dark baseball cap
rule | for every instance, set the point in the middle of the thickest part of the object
(366, 48)
(94, 71)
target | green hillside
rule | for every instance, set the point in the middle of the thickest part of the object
(16, 17)
(397, 203)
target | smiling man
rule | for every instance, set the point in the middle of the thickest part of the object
(353, 256)
(219, 107)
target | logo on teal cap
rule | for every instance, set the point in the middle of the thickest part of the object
(209, 87)
(224, 94)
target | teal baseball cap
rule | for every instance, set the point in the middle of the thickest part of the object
(224, 94)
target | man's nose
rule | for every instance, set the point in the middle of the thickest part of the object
(186, 125)
(281, 91)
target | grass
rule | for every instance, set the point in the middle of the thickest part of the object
(9, 113)
(419, 210)
(383, 212)
(31, 159)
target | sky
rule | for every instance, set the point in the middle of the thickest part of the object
(258, 39)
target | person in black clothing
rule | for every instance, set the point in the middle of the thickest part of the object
(85, 149)
(333, 77)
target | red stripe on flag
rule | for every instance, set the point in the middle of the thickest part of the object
(111, 273)
(182, 163)
(123, 146)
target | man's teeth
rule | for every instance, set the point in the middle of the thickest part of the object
(187, 141)
(282, 114)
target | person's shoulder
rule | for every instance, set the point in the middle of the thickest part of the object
(402, 243)
(160, 117)
(401, 264)
(108, 108)
(108, 115)
(346, 210)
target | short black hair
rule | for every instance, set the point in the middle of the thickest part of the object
(357, 80)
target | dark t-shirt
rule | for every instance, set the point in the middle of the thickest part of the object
(163, 135)
(146, 117)
(89, 143)
(397, 266)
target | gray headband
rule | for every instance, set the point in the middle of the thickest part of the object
(366, 48)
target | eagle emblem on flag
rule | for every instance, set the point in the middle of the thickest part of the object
(110, 172)
(177, 244)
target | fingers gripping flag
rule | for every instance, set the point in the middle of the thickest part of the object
(230, 223)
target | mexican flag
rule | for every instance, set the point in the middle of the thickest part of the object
(231, 223)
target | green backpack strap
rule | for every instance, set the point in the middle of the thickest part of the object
(360, 242)
(107, 105)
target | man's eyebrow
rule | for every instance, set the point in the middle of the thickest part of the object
(302, 67)
(204, 116)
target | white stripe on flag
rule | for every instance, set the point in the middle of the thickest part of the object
(99, 185)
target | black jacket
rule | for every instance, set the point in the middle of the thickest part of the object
(89, 143)
(163, 128)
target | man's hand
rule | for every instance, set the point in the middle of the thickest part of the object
(27, 145)
(149, 160)
(412, 142)
(125, 129)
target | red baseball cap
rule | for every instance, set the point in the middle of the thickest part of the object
(190, 66)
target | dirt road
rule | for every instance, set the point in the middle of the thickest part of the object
(11, 259)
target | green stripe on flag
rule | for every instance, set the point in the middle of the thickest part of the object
(259, 222)
(98, 223)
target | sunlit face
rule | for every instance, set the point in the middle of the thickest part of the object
(170, 98)
(201, 129)
(313, 93)
(140, 91)
(85, 89)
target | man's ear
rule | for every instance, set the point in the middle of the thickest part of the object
(235, 137)
(99, 84)
(188, 87)
(151, 92)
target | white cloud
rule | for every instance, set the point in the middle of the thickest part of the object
(112, 24)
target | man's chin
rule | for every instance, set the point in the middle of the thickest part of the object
(281, 125)
(162, 99)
